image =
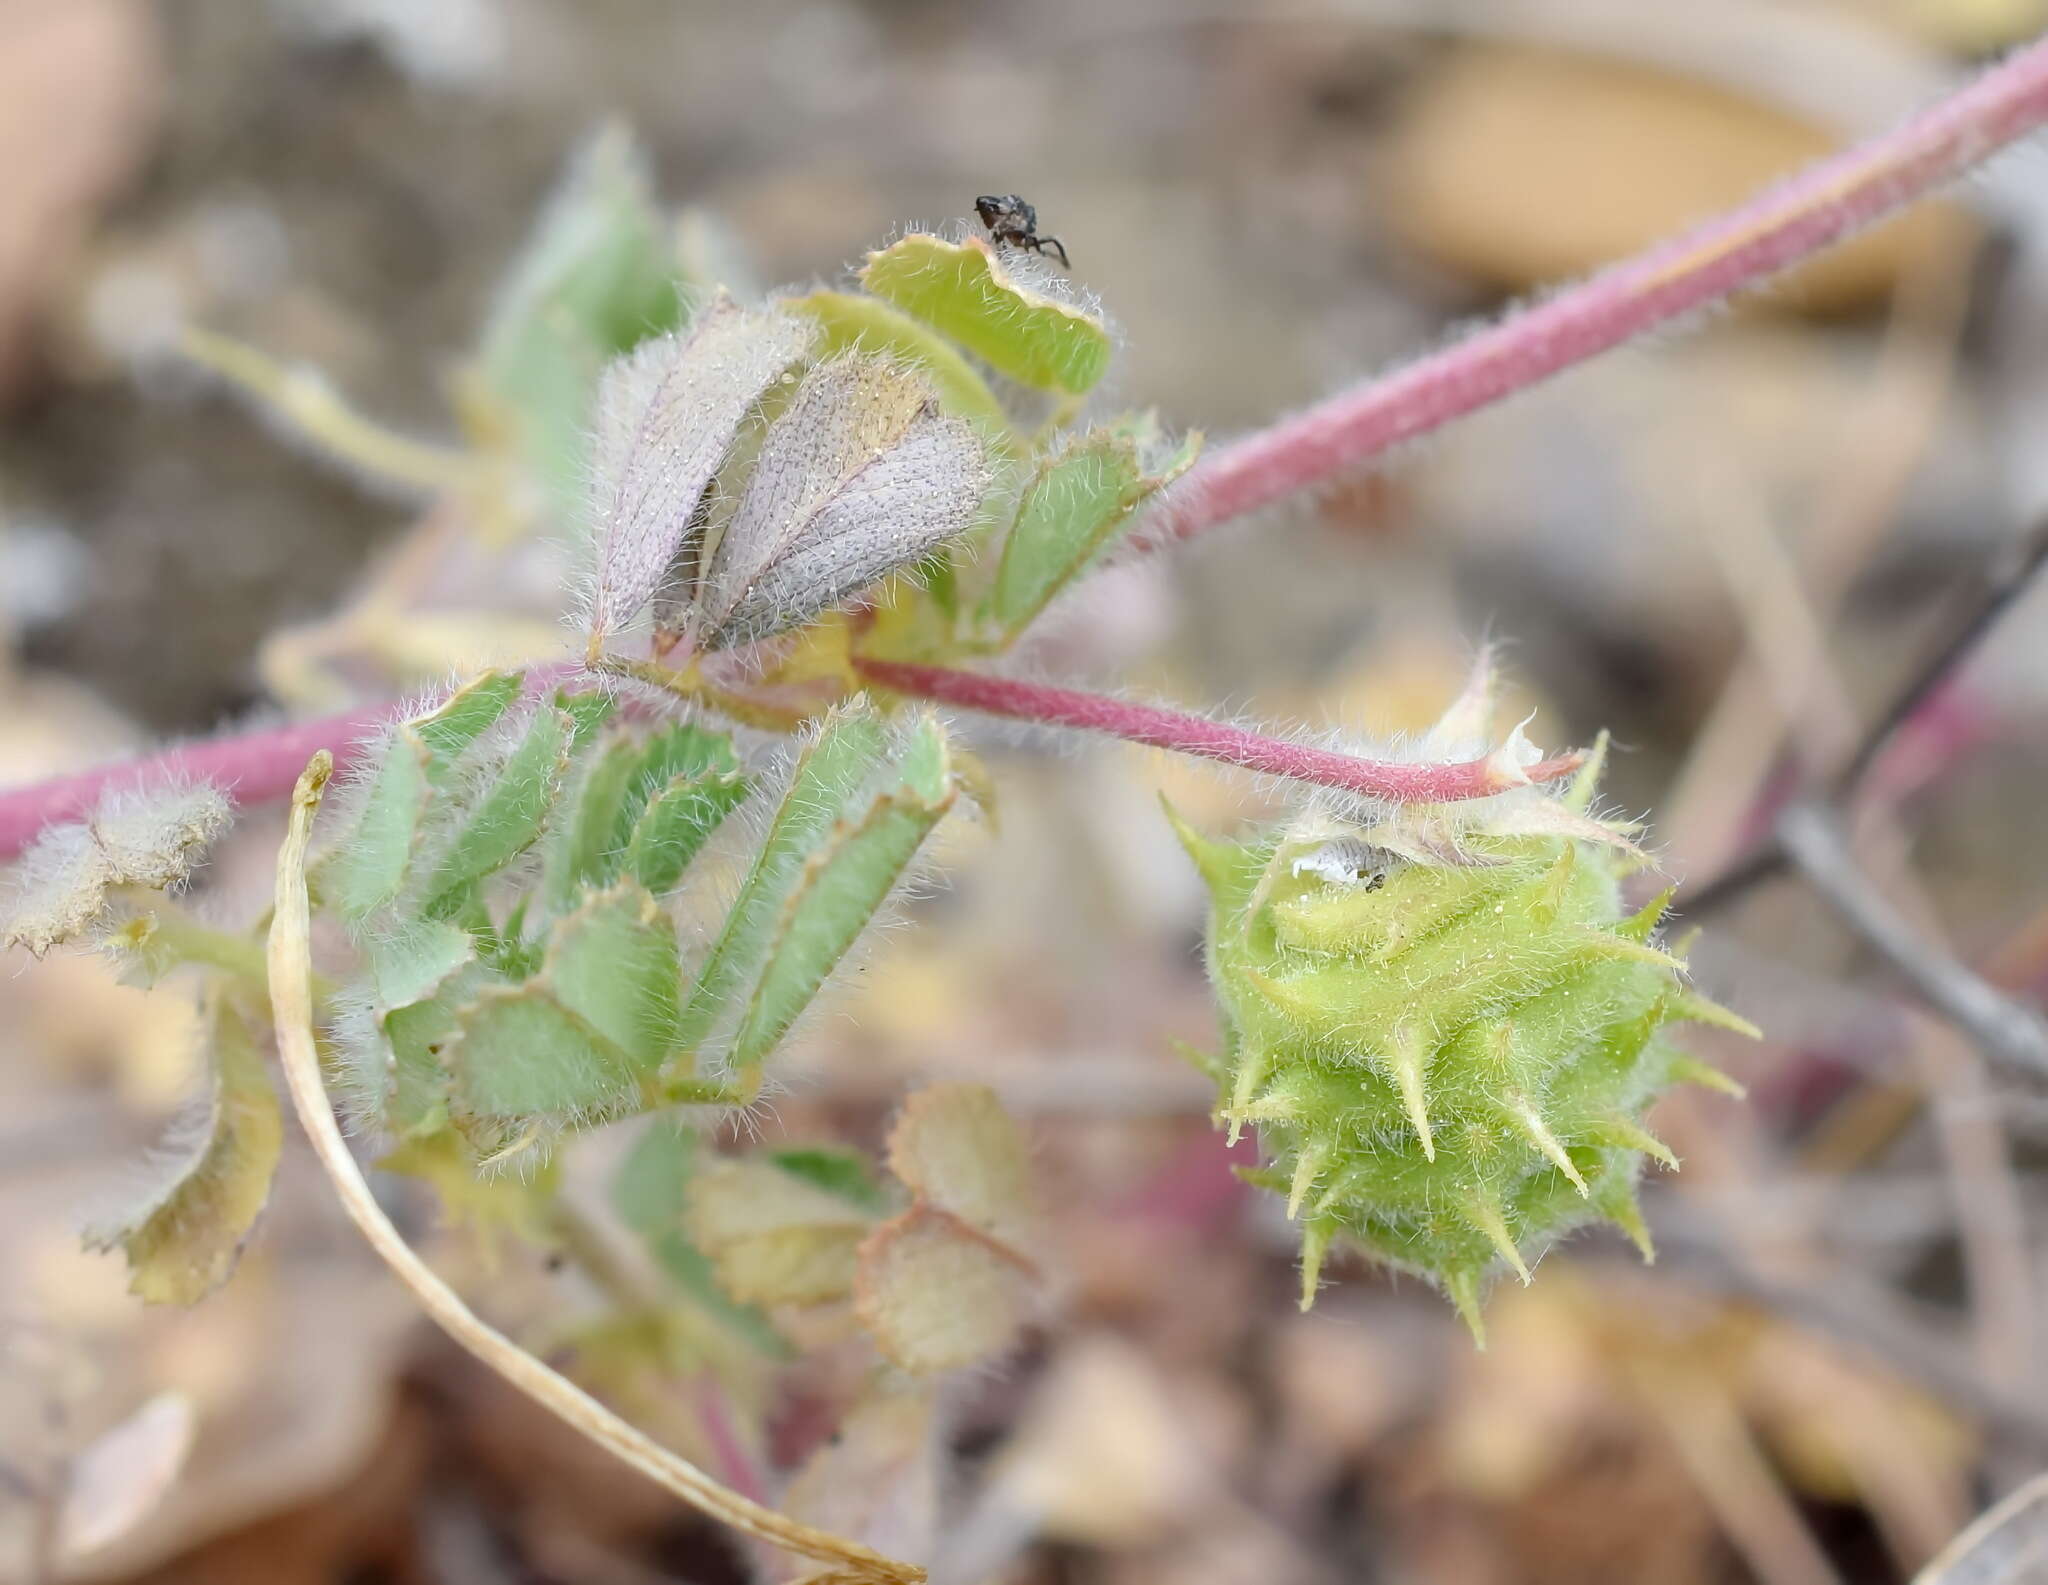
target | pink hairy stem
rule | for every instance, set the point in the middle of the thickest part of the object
(1782, 225)
(1193, 734)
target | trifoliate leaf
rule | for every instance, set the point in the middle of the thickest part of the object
(666, 417)
(962, 289)
(937, 1297)
(957, 1149)
(184, 1240)
(861, 475)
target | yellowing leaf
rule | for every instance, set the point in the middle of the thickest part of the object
(495, 1206)
(957, 1149)
(935, 1295)
(774, 1237)
(182, 1243)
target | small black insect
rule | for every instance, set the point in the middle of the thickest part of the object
(1014, 223)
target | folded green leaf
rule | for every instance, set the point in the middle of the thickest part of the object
(581, 1035)
(464, 716)
(418, 1034)
(519, 1054)
(690, 775)
(613, 964)
(962, 289)
(676, 824)
(1070, 512)
(408, 959)
(597, 276)
(509, 818)
(368, 870)
(831, 772)
(842, 885)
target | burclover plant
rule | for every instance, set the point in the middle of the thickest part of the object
(571, 894)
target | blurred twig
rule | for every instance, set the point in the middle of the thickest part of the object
(1789, 222)
(2007, 1033)
(2003, 584)
(1866, 1317)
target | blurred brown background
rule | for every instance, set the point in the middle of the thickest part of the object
(1725, 546)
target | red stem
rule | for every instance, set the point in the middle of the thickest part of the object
(1192, 734)
(255, 768)
(1778, 228)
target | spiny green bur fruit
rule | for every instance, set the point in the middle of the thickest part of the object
(1445, 1026)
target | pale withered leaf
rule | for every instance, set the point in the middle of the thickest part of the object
(862, 475)
(119, 1478)
(135, 837)
(934, 1296)
(183, 1240)
(954, 1146)
(667, 414)
(948, 1283)
(772, 1236)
